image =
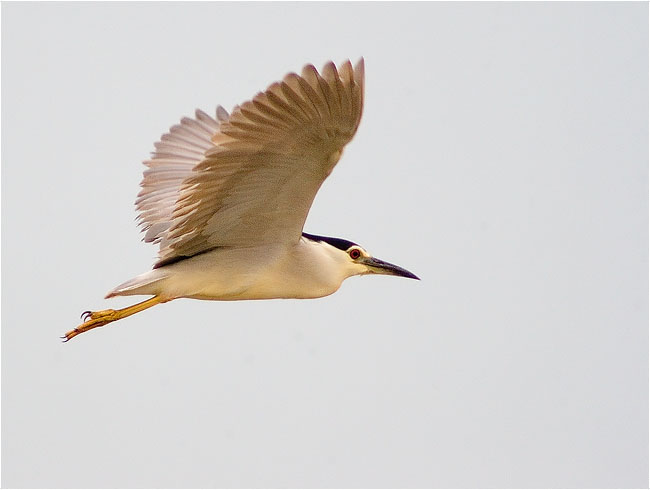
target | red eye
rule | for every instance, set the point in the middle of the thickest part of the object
(355, 253)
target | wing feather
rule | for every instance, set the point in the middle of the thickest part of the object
(175, 155)
(250, 177)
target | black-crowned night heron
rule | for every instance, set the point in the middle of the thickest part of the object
(227, 199)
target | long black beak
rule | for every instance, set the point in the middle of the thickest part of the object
(377, 266)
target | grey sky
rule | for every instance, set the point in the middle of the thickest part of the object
(502, 157)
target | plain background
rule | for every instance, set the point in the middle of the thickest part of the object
(502, 157)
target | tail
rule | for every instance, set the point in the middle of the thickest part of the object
(147, 283)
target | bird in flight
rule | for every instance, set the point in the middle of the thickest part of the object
(226, 199)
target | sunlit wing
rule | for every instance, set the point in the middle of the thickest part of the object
(250, 177)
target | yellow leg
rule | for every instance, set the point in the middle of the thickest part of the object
(94, 319)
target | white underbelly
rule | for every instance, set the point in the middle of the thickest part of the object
(240, 274)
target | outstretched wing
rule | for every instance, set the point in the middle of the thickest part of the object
(176, 155)
(251, 177)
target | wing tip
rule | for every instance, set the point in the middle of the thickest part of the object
(222, 114)
(360, 72)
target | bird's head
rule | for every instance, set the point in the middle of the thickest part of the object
(356, 260)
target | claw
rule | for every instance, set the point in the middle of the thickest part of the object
(69, 335)
(94, 319)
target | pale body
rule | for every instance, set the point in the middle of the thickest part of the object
(296, 270)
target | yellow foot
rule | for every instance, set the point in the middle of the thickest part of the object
(92, 319)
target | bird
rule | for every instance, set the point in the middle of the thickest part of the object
(226, 198)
